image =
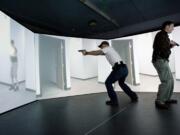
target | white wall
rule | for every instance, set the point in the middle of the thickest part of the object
(76, 58)
(37, 69)
(143, 43)
(67, 59)
(175, 37)
(32, 78)
(4, 48)
(83, 67)
(12, 99)
(136, 63)
(172, 60)
(90, 62)
(30, 74)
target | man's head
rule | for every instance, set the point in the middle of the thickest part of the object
(103, 44)
(168, 26)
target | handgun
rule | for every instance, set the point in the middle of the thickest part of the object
(81, 50)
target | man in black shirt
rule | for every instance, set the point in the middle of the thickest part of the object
(160, 59)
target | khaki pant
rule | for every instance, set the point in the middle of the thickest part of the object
(167, 82)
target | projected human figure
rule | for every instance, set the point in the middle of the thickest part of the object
(14, 67)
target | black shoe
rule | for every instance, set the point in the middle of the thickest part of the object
(161, 105)
(171, 101)
(134, 99)
(113, 103)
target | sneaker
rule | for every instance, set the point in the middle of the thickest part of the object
(113, 103)
(134, 99)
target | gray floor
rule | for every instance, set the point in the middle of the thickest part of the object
(88, 115)
(11, 98)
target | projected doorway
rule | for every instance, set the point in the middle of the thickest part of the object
(52, 64)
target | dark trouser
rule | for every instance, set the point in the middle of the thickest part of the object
(119, 75)
(167, 82)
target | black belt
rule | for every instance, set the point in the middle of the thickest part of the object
(118, 65)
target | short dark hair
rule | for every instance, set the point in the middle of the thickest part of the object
(103, 42)
(167, 23)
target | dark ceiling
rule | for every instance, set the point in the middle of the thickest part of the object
(100, 19)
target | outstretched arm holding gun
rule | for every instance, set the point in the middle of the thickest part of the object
(95, 53)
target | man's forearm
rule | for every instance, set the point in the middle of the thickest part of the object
(95, 53)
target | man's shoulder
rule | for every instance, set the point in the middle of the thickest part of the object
(161, 34)
(108, 49)
(105, 50)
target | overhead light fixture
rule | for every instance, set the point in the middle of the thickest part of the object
(92, 23)
(92, 6)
